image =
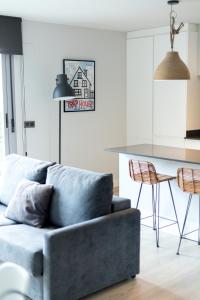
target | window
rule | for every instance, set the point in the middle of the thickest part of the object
(7, 109)
(86, 93)
(78, 92)
(2, 133)
(75, 83)
(91, 94)
(79, 75)
(84, 83)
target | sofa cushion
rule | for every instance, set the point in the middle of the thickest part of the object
(120, 203)
(15, 168)
(3, 220)
(30, 203)
(2, 209)
(23, 245)
(79, 195)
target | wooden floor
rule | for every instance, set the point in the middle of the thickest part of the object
(164, 275)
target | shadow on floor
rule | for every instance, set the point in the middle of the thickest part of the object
(136, 289)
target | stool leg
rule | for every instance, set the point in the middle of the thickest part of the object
(158, 215)
(138, 200)
(172, 197)
(186, 215)
(199, 224)
(154, 207)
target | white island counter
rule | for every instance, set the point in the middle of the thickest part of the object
(166, 161)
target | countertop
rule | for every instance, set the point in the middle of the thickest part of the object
(161, 152)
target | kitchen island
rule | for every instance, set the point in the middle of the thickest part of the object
(166, 161)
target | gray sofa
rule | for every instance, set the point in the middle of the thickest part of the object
(92, 239)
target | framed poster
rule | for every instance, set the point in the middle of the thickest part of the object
(81, 77)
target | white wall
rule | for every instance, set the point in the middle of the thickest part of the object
(85, 135)
(198, 59)
(139, 90)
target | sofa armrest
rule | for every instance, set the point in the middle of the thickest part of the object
(89, 256)
(119, 203)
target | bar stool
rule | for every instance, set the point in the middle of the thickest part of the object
(189, 181)
(145, 173)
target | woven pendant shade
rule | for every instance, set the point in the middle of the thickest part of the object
(172, 68)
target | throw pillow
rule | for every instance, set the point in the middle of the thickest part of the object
(30, 203)
(15, 168)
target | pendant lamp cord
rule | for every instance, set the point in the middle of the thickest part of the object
(173, 30)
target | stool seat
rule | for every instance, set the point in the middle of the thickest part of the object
(144, 172)
(189, 181)
(162, 177)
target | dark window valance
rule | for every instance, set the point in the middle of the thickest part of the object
(10, 35)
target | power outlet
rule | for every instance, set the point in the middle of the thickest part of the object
(29, 124)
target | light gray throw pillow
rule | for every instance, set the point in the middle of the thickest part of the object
(30, 203)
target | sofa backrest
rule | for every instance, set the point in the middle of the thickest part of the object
(16, 167)
(79, 195)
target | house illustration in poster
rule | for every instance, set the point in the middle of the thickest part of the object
(81, 77)
(83, 88)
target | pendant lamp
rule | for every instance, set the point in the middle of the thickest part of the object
(172, 67)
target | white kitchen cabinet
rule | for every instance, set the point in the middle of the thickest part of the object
(170, 97)
(160, 112)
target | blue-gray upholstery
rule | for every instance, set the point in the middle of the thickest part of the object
(15, 168)
(119, 203)
(2, 209)
(87, 257)
(3, 220)
(35, 289)
(79, 195)
(97, 246)
(23, 245)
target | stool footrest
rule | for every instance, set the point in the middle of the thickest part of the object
(173, 222)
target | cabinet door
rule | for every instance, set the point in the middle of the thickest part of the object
(139, 90)
(170, 97)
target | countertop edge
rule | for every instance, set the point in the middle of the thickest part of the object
(118, 151)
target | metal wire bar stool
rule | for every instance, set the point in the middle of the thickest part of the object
(145, 173)
(189, 181)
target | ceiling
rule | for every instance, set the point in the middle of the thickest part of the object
(119, 15)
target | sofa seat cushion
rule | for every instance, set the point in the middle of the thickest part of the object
(23, 245)
(3, 220)
(15, 168)
(79, 195)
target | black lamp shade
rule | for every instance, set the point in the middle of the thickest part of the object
(63, 90)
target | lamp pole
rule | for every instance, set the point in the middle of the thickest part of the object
(59, 153)
(62, 92)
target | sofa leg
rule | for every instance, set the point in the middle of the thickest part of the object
(131, 277)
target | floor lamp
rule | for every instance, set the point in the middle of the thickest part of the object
(63, 91)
